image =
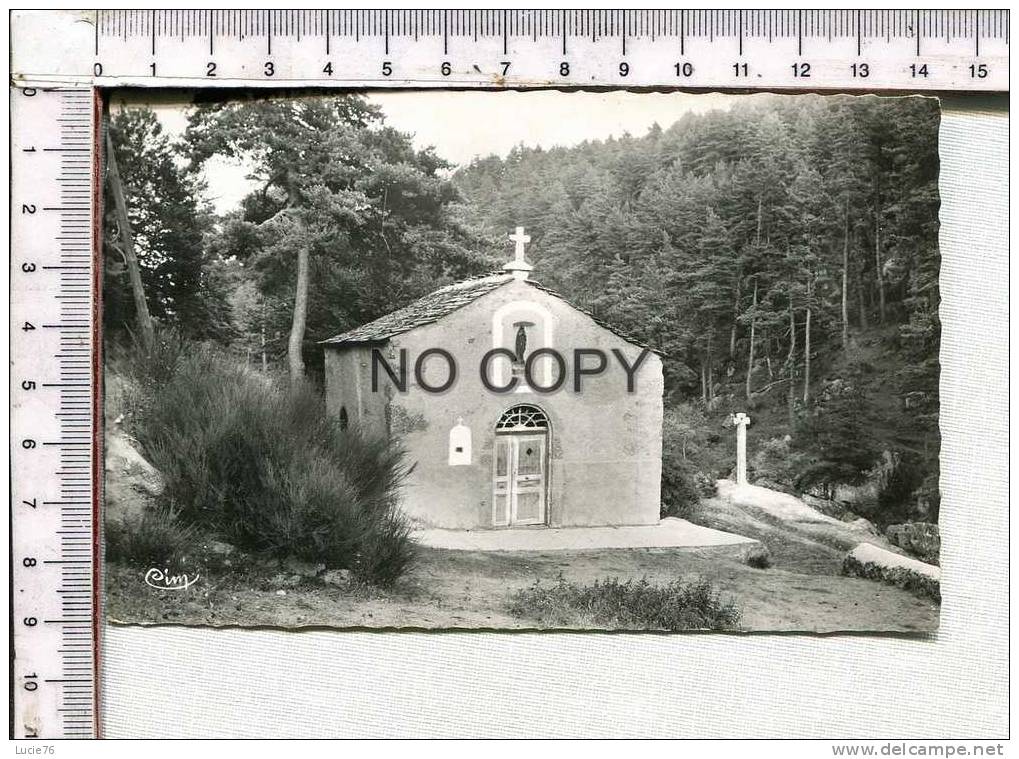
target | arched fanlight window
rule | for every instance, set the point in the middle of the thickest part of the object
(523, 417)
(344, 419)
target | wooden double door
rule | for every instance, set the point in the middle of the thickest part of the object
(520, 479)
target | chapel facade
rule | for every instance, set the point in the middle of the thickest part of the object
(532, 442)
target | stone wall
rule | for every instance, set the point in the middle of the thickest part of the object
(348, 387)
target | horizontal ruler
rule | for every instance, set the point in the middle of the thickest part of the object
(52, 387)
(903, 50)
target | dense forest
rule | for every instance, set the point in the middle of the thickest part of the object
(783, 255)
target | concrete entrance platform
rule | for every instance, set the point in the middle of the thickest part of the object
(669, 533)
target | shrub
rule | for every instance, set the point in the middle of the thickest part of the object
(683, 485)
(153, 539)
(682, 488)
(914, 582)
(757, 556)
(634, 605)
(921, 539)
(823, 478)
(387, 552)
(897, 481)
(684, 430)
(260, 463)
(777, 463)
(838, 433)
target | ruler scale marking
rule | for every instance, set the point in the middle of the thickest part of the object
(54, 679)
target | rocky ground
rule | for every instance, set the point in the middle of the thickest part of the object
(802, 590)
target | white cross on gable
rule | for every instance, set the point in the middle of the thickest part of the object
(521, 240)
(518, 267)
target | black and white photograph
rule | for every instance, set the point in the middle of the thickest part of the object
(533, 360)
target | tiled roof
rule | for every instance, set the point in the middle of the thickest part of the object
(446, 300)
(425, 310)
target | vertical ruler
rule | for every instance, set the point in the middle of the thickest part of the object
(53, 402)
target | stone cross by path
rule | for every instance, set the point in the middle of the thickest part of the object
(741, 421)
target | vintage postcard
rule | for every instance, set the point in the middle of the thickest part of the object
(522, 360)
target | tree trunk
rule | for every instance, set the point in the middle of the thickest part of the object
(760, 206)
(265, 363)
(878, 268)
(141, 306)
(806, 359)
(863, 302)
(739, 277)
(296, 343)
(753, 330)
(735, 316)
(704, 379)
(861, 295)
(711, 384)
(845, 283)
(791, 363)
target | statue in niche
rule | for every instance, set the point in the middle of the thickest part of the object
(521, 342)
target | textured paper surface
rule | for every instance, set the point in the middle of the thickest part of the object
(200, 682)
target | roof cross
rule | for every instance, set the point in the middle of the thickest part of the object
(521, 240)
(518, 266)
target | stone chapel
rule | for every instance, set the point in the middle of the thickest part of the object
(516, 408)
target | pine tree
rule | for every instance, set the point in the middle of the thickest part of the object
(168, 224)
(347, 207)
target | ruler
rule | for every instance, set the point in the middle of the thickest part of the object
(53, 456)
(58, 58)
(899, 50)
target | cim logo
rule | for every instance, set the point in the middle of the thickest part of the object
(161, 579)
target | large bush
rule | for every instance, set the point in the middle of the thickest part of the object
(262, 465)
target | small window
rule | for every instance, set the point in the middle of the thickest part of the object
(344, 419)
